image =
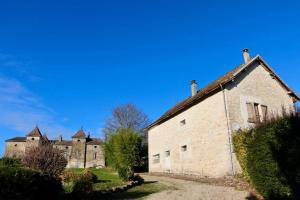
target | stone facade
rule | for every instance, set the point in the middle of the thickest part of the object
(195, 136)
(80, 152)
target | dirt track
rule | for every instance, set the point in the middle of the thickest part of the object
(190, 190)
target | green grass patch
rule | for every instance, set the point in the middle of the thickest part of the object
(107, 178)
(142, 191)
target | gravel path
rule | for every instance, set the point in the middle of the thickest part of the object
(190, 190)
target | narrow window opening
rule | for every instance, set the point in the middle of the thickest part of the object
(167, 153)
(184, 148)
(156, 158)
(182, 122)
(264, 110)
(95, 156)
(257, 117)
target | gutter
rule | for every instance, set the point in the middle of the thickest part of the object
(228, 128)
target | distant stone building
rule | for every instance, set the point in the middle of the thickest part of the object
(195, 136)
(81, 152)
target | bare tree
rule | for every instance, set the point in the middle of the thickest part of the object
(126, 116)
(45, 159)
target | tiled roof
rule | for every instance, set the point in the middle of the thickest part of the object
(16, 139)
(80, 134)
(35, 133)
(95, 141)
(64, 142)
(214, 87)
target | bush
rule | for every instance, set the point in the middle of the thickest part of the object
(269, 156)
(89, 176)
(10, 162)
(19, 183)
(124, 150)
(48, 160)
(82, 186)
(69, 176)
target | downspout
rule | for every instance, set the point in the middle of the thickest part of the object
(228, 128)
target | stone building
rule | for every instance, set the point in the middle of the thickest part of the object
(195, 136)
(81, 152)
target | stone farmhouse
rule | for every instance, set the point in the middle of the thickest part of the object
(195, 136)
(81, 152)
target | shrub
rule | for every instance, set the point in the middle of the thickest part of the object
(69, 176)
(269, 155)
(82, 186)
(89, 176)
(10, 162)
(20, 183)
(46, 159)
(124, 150)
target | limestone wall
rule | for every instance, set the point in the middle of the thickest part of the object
(205, 135)
(15, 149)
(95, 156)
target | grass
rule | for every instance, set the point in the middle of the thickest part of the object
(107, 178)
(140, 192)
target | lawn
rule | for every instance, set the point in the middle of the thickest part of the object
(107, 178)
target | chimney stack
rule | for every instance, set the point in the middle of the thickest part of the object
(194, 87)
(246, 55)
(60, 138)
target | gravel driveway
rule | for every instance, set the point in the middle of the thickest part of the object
(187, 190)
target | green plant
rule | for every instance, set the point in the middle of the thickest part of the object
(26, 184)
(82, 186)
(124, 151)
(89, 176)
(269, 156)
(10, 162)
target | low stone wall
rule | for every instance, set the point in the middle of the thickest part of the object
(123, 188)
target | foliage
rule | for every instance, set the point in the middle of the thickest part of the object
(82, 186)
(89, 176)
(19, 183)
(126, 117)
(269, 156)
(10, 162)
(123, 150)
(69, 176)
(46, 159)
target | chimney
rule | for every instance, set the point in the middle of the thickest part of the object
(194, 87)
(246, 55)
(60, 138)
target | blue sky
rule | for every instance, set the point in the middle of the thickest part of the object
(66, 64)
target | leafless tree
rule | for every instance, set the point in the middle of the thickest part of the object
(46, 159)
(126, 116)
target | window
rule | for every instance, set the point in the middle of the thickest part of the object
(32, 138)
(167, 153)
(156, 158)
(95, 147)
(257, 117)
(264, 112)
(78, 140)
(182, 122)
(16, 145)
(95, 156)
(251, 115)
(183, 148)
(67, 147)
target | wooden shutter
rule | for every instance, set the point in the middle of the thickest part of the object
(264, 110)
(250, 110)
(256, 112)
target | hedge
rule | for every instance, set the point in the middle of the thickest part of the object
(19, 183)
(270, 157)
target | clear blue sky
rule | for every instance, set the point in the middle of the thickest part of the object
(66, 64)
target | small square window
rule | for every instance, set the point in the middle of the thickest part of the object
(32, 138)
(78, 140)
(167, 153)
(16, 145)
(183, 148)
(67, 147)
(156, 158)
(182, 122)
(95, 147)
